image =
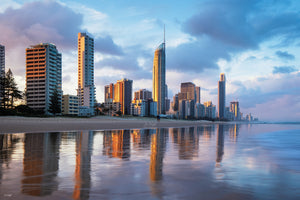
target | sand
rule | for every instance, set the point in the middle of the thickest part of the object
(55, 124)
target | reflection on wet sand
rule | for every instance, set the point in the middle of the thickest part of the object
(40, 163)
(116, 144)
(141, 139)
(187, 140)
(220, 143)
(7, 145)
(158, 148)
(84, 143)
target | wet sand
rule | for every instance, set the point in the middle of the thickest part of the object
(32, 124)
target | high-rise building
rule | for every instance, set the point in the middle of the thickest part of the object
(221, 96)
(109, 93)
(159, 78)
(189, 95)
(86, 87)
(142, 94)
(123, 94)
(189, 91)
(235, 109)
(2, 69)
(198, 94)
(175, 103)
(209, 110)
(43, 75)
(70, 105)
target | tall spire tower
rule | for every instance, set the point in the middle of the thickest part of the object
(159, 77)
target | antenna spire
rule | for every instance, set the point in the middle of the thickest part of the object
(164, 33)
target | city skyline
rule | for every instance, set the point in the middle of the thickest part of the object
(259, 59)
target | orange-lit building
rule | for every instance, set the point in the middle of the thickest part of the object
(159, 78)
(43, 75)
(86, 87)
(116, 144)
(123, 94)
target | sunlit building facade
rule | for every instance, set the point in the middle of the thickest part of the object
(123, 94)
(109, 93)
(142, 94)
(159, 78)
(86, 87)
(235, 109)
(70, 105)
(43, 76)
(221, 96)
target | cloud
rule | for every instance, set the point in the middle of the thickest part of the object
(47, 21)
(266, 90)
(284, 69)
(197, 56)
(107, 46)
(285, 55)
(231, 26)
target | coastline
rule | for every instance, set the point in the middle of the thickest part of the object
(13, 124)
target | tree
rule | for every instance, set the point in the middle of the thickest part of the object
(10, 90)
(55, 106)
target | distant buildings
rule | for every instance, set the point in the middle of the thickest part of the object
(198, 94)
(43, 75)
(221, 96)
(235, 109)
(70, 105)
(142, 94)
(2, 68)
(185, 101)
(210, 110)
(86, 87)
(142, 104)
(118, 96)
(109, 93)
(159, 78)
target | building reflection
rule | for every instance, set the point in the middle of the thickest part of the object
(158, 148)
(233, 132)
(220, 143)
(141, 139)
(187, 140)
(206, 132)
(116, 144)
(7, 146)
(40, 163)
(84, 144)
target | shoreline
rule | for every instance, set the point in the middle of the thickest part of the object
(17, 124)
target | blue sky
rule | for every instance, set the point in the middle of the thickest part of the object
(255, 43)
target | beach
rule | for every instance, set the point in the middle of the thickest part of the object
(12, 124)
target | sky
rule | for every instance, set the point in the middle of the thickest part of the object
(254, 42)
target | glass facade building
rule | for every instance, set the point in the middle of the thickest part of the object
(159, 78)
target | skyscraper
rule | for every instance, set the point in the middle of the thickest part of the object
(109, 93)
(2, 69)
(142, 94)
(198, 94)
(235, 109)
(159, 78)
(221, 96)
(43, 75)
(123, 94)
(86, 87)
(189, 91)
